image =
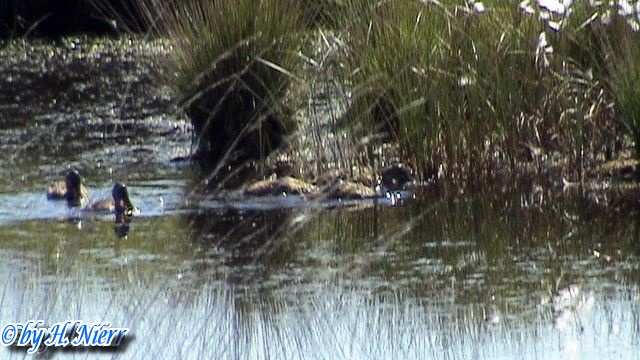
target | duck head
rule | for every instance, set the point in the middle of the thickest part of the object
(73, 181)
(124, 209)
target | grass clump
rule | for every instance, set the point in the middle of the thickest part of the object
(596, 73)
(623, 65)
(447, 81)
(626, 87)
(466, 89)
(233, 62)
(470, 89)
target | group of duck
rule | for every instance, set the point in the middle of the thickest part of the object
(77, 196)
(335, 184)
(332, 185)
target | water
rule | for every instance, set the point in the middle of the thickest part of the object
(522, 273)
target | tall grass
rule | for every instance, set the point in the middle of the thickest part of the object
(447, 73)
(233, 63)
(476, 89)
(623, 63)
(466, 89)
(322, 13)
(626, 88)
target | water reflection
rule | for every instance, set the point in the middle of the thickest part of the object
(470, 277)
(258, 242)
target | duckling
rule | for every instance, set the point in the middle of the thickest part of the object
(120, 203)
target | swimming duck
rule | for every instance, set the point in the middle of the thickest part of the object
(57, 191)
(396, 177)
(337, 184)
(282, 185)
(347, 190)
(77, 195)
(71, 189)
(392, 178)
(334, 184)
(119, 203)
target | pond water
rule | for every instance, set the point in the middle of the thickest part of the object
(521, 273)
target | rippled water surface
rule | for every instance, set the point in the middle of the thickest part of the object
(524, 273)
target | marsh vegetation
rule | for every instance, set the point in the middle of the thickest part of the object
(500, 108)
(463, 90)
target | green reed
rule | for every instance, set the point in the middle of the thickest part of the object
(480, 89)
(233, 63)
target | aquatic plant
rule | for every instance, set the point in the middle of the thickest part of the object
(440, 78)
(600, 40)
(625, 83)
(466, 89)
(233, 63)
(471, 88)
(622, 51)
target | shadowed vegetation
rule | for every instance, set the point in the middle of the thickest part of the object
(623, 61)
(65, 17)
(233, 63)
